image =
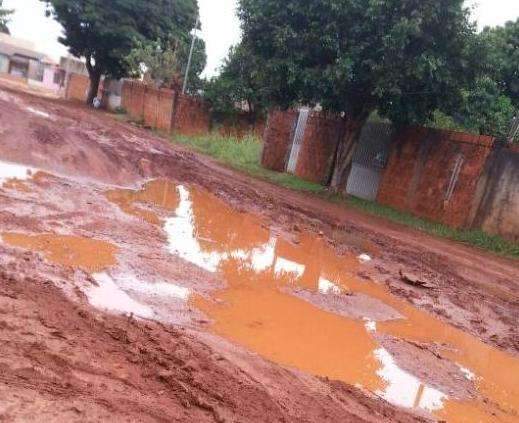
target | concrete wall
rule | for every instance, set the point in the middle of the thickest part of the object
(498, 211)
(434, 174)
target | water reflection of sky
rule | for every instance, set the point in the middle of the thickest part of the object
(14, 171)
(401, 387)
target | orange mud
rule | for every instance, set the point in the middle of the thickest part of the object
(256, 311)
(17, 185)
(88, 254)
(158, 193)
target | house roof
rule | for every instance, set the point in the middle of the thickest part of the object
(11, 46)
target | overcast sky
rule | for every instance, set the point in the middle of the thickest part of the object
(220, 27)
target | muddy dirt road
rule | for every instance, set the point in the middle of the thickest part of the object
(142, 282)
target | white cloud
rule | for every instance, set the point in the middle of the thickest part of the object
(220, 26)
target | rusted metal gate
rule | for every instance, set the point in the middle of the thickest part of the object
(369, 160)
(299, 134)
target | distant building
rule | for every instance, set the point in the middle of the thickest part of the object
(72, 65)
(20, 59)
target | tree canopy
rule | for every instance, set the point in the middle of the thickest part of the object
(165, 62)
(104, 32)
(4, 18)
(502, 44)
(239, 86)
(492, 100)
(403, 58)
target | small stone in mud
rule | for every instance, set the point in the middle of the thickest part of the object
(415, 280)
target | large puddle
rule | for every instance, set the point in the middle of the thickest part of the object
(292, 299)
(301, 305)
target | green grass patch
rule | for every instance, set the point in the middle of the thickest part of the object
(474, 237)
(245, 155)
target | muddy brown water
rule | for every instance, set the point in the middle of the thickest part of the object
(276, 296)
(159, 193)
(88, 254)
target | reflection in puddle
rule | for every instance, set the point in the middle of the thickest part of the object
(182, 236)
(9, 171)
(256, 312)
(88, 254)
(38, 112)
(262, 308)
(327, 287)
(109, 296)
(160, 193)
(403, 388)
(116, 294)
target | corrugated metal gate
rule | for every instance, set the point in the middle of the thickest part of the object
(369, 159)
(297, 141)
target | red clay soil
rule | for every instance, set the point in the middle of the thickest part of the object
(62, 360)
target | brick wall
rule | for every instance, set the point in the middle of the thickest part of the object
(319, 143)
(165, 109)
(77, 87)
(277, 139)
(132, 99)
(192, 116)
(158, 106)
(420, 170)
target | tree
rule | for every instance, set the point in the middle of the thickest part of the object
(165, 62)
(403, 58)
(487, 110)
(104, 32)
(503, 57)
(240, 83)
(4, 18)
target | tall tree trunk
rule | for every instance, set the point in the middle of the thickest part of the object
(95, 79)
(344, 153)
(94, 74)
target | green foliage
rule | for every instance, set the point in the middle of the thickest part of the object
(403, 58)
(502, 51)
(240, 84)
(104, 32)
(440, 120)
(487, 110)
(4, 18)
(165, 62)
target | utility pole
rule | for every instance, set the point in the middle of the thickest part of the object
(186, 76)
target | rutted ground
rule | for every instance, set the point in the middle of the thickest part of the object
(103, 225)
